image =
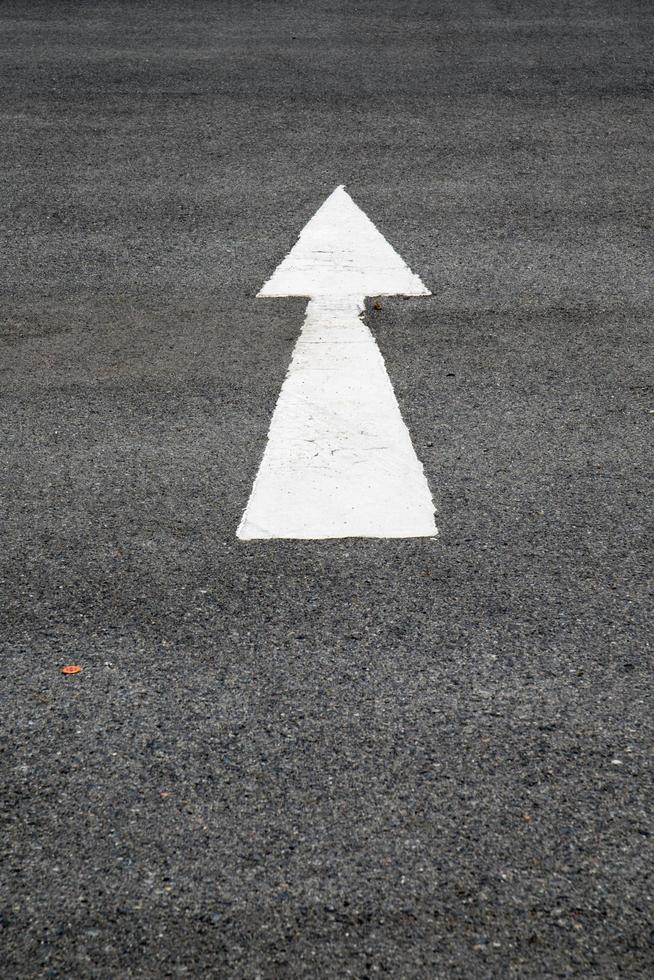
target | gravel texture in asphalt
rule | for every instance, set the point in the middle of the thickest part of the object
(355, 758)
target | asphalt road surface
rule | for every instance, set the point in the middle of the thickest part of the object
(348, 758)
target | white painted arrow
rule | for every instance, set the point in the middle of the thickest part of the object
(339, 460)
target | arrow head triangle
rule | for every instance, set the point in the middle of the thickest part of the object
(340, 253)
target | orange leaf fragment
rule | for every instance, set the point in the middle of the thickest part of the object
(71, 669)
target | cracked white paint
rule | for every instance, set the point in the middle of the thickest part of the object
(339, 460)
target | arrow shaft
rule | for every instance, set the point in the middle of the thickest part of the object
(339, 460)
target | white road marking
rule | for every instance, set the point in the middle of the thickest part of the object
(339, 460)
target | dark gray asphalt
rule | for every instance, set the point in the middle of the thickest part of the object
(347, 758)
